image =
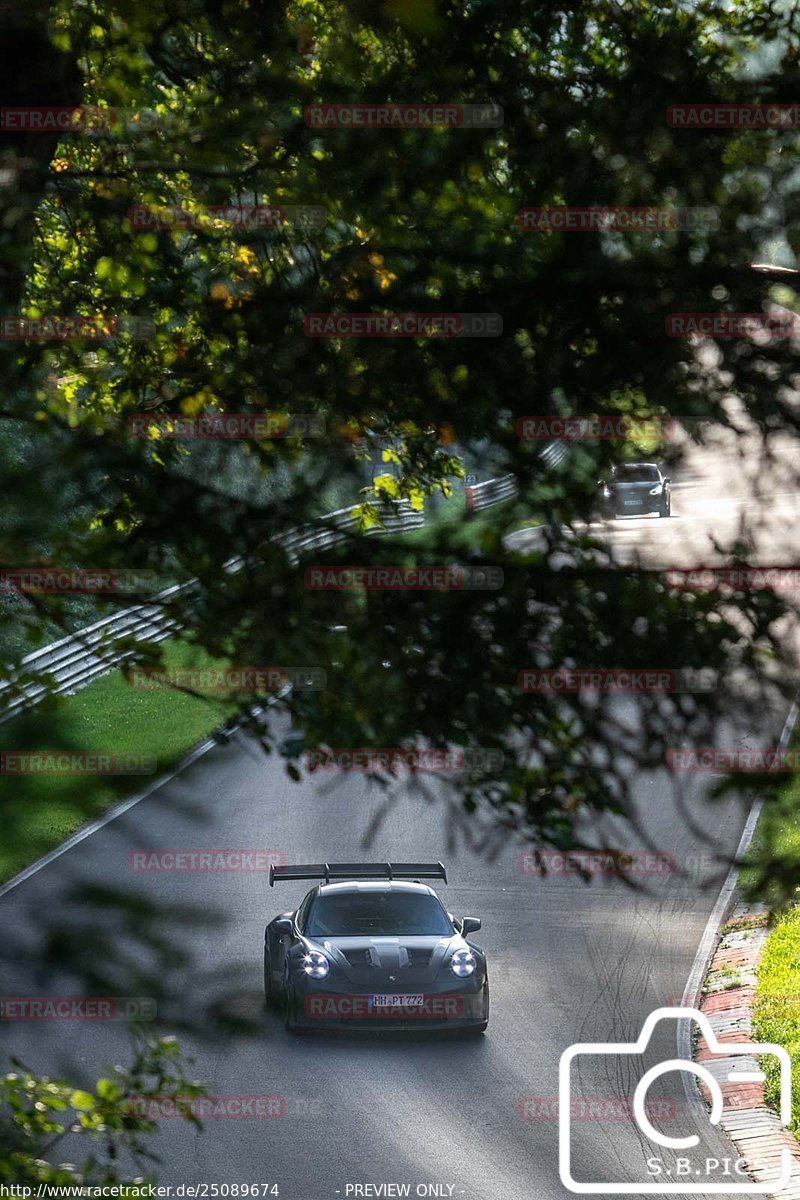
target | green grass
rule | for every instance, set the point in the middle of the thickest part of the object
(772, 874)
(37, 812)
(772, 867)
(776, 1014)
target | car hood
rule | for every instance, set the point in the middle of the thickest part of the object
(411, 960)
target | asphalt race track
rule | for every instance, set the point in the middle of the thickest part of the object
(568, 962)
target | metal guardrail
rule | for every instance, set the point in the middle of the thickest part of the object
(495, 491)
(73, 661)
(336, 527)
(554, 453)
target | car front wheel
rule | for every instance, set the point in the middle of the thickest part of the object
(290, 1004)
(477, 1030)
(270, 995)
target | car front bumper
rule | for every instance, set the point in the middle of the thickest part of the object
(633, 508)
(460, 1004)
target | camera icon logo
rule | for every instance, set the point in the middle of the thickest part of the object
(749, 1072)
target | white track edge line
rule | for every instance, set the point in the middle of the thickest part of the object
(708, 942)
(123, 807)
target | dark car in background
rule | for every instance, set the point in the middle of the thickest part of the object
(635, 488)
(377, 950)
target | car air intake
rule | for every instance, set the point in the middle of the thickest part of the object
(371, 957)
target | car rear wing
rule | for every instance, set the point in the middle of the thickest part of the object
(355, 871)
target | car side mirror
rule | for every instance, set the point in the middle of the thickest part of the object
(601, 483)
(283, 925)
(470, 925)
(667, 479)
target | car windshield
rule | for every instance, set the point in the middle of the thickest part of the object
(636, 473)
(362, 914)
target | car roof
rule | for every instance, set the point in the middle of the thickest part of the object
(374, 885)
(636, 464)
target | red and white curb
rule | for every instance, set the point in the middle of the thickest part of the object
(727, 1002)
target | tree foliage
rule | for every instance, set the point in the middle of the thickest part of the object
(209, 100)
(40, 1117)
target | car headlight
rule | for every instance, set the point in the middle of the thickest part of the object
(316, 965)
(655, 491)
(462, 963)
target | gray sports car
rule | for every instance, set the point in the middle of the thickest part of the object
(636, 488)
(376, 950)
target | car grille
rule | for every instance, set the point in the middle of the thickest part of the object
(363, 958)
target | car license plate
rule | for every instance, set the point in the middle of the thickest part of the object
(407, 1000)
(632, 502)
